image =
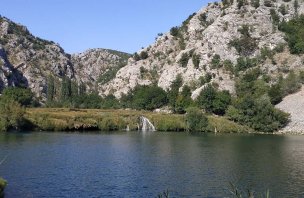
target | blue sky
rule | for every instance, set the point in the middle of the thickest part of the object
(125, 25)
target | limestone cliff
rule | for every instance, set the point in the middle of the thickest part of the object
(190, 49)
(28, 61)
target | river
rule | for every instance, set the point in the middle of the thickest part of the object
(133, 164)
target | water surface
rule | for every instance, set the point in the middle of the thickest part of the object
(142, 165)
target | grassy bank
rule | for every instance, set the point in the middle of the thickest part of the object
(2, 187)
(63, 119)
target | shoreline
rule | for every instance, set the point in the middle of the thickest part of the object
(69, 120)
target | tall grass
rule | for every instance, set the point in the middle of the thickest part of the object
(64, 119)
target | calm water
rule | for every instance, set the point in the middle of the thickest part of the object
(143, 165)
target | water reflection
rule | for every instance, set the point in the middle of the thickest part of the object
(142, 165)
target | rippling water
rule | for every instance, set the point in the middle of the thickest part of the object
(143, 165)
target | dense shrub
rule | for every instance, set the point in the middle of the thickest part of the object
(245, 45)
(196, 60)
(274, 16)
(258, 114)
(196, 120)
(216, 61)
(21, 95)
(183, 61)
(294, 30)
(174, 31)
(148, 97)
(11, 115)
(213, 101)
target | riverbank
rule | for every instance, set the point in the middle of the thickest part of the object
(64, 119)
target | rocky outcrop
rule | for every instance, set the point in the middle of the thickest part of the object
(28, 61)
(92, 65)
(203, 35)
(294, 105)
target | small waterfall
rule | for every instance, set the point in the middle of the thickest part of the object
(145, 124)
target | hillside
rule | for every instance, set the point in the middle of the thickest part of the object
(28, 61)
(98, 65)
(211, 41)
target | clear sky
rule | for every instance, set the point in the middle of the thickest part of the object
(77, 25)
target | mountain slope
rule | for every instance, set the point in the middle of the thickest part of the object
(213, 37)
(98, 65)
(28, 61)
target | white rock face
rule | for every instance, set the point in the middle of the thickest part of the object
(27, 60)
(204, 38)
(294, 104)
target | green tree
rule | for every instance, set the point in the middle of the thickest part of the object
(174, 90)
(149, 97)
(50, 89)
(21, 95)
(196, 120)
(11, 114)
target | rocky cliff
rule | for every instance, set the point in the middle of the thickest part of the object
(98, 66)
(28, 61)
(213, 36)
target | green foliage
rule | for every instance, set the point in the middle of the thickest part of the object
(255, 3)
(228, 66)
(213, 101)
(283, 10)
(240, 3)
(196, 120)
(108, 75)
(254, 103)
(274, 16)
(183, 61)
(11, 114)
(294, 30)
(268, 3)
(50, 89)
(205, 79)
(66, 88)
(136, 57)
(183, 100)
(196, 60)
(245, 45)
(245, 63)
(296, 7)
(258, 114)
(148, 97)
(143, 55)
(174, 31)
(21, 95)
(174, 90)
(216, 61)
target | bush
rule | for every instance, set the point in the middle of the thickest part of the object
(148, 97)
(196, 60)
(216, 61)
(294, 30)
(213, 101)
(274, 16)
(183, 61)
(11, 115)
(258, 114)
(174, 31)
(245, 45)
(21, 95)
(196, 120)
